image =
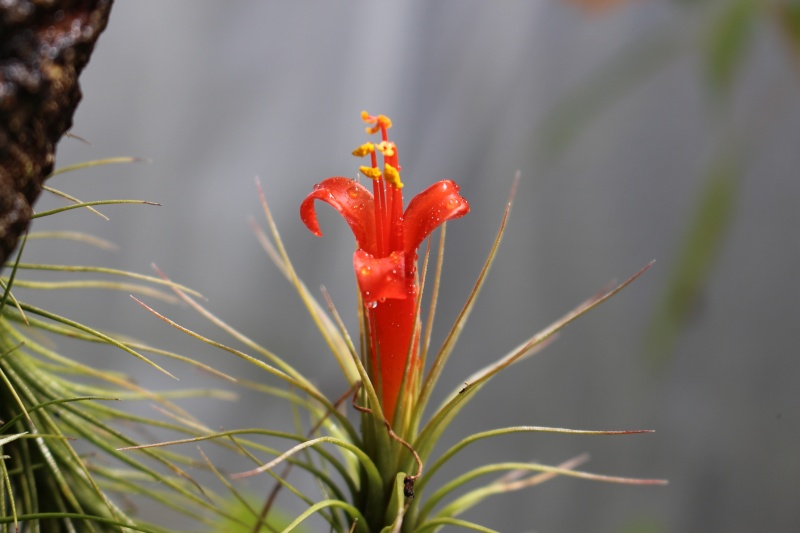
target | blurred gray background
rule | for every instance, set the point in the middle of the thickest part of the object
(615, 120)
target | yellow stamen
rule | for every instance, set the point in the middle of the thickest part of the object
(364, 149)
(393, 176)
(370, 172)
(379, 122)
(384, 121)
(386, 148)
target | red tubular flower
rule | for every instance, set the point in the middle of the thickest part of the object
(385, 261)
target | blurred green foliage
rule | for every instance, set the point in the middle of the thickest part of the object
(722, 38)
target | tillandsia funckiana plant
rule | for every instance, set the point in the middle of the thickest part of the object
(384, 475)
(377, 471)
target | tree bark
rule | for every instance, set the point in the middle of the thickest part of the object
(44, 46)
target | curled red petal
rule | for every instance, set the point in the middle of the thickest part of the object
(352, 200)
(436, 204)
(381, 278)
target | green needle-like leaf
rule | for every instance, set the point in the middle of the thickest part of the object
(355, 514)
(90, 204)
(94, 163)
(444, 353)
(436, 523)
(431, 470)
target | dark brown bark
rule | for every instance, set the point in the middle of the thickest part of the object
(44, 45)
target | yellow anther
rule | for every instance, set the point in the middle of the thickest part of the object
(364, 149)
(369, 119)
(386, 148)
(370, 172)
(379, 122)
(384, 121)
(393, 176)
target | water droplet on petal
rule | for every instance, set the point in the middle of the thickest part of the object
(452, 203)
(366, 271)
(372, 305)
(353, 192)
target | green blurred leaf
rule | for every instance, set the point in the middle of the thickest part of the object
(608, 84)
(644, 526)
(788, 17)
(277, 520)
(700, 249)
(728, 42)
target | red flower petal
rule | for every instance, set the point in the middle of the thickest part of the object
(436, 204)
(380, 278)
(394, 340)
(352, 200)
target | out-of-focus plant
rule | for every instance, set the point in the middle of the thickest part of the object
(381, 474)
(60, 420)
(728, 42)
(721, 36)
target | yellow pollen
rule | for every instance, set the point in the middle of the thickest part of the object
(393, 176)
(370, 172)
(384, 121)
(379, 122)
(364, 149)
(386, 148)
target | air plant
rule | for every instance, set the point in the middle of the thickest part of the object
(377, 470)
(61, 422)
